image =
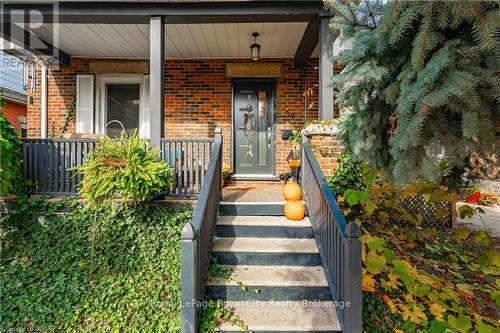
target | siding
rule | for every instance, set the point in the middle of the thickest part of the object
(11, 73)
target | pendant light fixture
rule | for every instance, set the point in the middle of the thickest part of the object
(255, 48)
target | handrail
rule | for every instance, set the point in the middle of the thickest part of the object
(338, 242)
(197, 237)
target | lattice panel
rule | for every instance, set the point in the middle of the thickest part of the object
(417, 204)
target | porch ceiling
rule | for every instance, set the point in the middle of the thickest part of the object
(183, 41)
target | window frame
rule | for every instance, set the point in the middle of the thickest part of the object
(101, 92)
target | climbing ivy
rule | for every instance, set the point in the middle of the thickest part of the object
(45, 262)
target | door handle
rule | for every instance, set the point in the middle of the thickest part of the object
(269, 137)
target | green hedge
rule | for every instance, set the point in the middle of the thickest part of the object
(44, 272)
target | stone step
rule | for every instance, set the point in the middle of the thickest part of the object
(285, 316)
(264, 245)
(278, 276)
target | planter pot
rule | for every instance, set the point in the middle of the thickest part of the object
(222, 183)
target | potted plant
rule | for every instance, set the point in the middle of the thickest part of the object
(124, 170)
(226, 173)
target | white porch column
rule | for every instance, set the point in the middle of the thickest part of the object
(326, 39)
(156, 68)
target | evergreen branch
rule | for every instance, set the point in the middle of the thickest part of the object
(422, 41)
(390, 17)
(483, 29)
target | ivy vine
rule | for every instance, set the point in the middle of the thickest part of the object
(68, 116)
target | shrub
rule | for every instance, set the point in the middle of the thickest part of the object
(44, 275)
(226, 171)
(124, 168)
(10, 159)
(347, 175)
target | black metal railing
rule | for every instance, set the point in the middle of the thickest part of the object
(47, 163)
(338, 243)
(197, 237)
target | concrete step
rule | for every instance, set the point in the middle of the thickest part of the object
(264, 245)
(252, 208)
(266, 251)
(285, 316)
(278, 276)
(266, 293)
(268, 259)
(262, 221)
(262, 227)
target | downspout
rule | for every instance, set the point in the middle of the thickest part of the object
(305, 94)
(44, 102)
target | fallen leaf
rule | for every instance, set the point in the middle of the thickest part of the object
(437, 311)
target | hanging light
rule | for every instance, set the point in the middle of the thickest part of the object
(255, 48)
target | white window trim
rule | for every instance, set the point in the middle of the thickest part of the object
(80, 126)
(102, 81)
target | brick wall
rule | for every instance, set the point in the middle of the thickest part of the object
(197, 99)
(61, 87)
(327, 149)
(12, 112)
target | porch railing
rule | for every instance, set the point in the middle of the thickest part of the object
(197, 238)
(189, 158)
(338, 243)
(47, 163)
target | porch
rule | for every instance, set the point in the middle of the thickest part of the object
(170, 71)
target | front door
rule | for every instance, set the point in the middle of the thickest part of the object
(253, 127)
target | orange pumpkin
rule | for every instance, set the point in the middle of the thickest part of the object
(292, 191)
(295, 210)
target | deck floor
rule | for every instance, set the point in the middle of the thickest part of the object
(252, 195)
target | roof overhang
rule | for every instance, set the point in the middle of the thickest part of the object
(175, 13)
(13, 96)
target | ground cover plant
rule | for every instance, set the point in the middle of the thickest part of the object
(44, 271)
(418, 279)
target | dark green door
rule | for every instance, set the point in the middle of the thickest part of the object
(253, 127)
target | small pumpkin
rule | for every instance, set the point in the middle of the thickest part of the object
(295, 210)
(292, 191)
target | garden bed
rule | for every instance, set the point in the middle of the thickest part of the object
(45, 272)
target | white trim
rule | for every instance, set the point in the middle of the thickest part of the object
(43, 122)
(80, 123)
(102, 80)
(145, 108)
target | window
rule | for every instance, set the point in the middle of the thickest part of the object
(123, 99)
(122, 108)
